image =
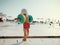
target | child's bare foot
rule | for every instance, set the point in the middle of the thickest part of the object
(24, 39)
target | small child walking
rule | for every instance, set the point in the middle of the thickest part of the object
(26, 24)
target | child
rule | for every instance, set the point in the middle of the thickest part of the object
(26, 24)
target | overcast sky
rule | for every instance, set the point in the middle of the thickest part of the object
(36, 8)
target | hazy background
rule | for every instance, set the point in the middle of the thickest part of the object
(37, 8)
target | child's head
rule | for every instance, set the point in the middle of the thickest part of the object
(24, 12)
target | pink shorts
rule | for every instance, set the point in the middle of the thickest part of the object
(26, 25)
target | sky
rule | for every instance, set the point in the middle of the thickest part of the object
(36, 8)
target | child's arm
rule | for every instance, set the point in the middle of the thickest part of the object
(16, 19)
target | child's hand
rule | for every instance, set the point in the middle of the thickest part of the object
(16, 19)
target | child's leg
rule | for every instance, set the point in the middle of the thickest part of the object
(25, 36)
(27, 32)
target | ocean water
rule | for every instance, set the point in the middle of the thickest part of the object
(38, 29)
